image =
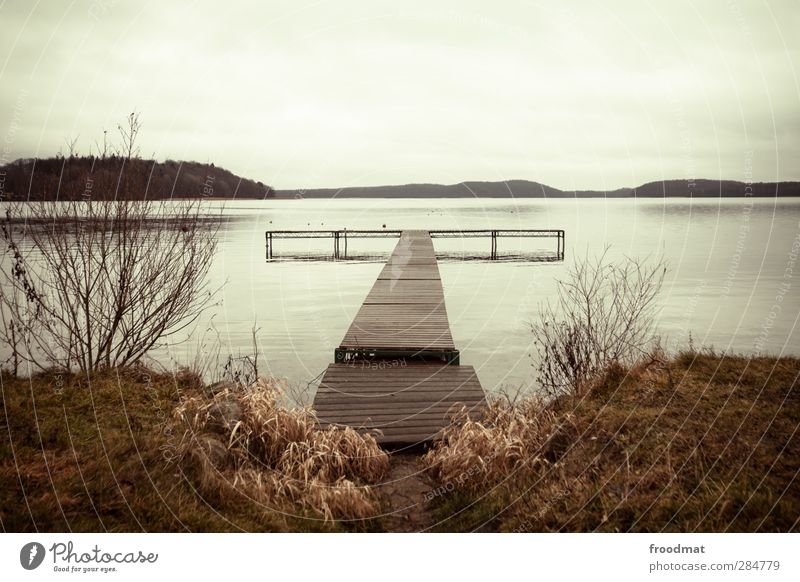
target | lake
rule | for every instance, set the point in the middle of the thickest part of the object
(732, 279)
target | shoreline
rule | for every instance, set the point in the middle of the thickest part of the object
(680, 413)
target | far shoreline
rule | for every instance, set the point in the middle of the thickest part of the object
(550, 198)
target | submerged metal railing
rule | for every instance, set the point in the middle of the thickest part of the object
(340, 238)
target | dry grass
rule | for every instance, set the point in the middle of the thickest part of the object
(476, 453)
(699, 442)
(246, 440)
(94, 453)
(105, 452)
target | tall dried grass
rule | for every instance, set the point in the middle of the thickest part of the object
(246, 441)
(476, 453)
(697, 442)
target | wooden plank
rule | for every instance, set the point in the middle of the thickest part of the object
(388, 402)
(380, 410)
(406, 346)
(361, 418)
(404, 311)
(370, 389)
(405, 308)
(408, 404)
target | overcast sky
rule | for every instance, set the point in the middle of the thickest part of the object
(312, 94)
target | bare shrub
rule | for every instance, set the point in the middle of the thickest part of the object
(96, 283)
(603, 314)
(129, 133)
(243, 369)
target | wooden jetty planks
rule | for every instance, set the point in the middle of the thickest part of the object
(407, 404)
(403, 400)
(405, 308)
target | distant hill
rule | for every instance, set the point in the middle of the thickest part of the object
(526, 189)
(76, 178)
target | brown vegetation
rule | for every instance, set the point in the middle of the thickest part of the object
(97, 453)
(602, 314)
(244, 439)
(103, 283)
(134, 450)
(701, 442)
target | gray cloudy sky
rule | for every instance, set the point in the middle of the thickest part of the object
(311, 94)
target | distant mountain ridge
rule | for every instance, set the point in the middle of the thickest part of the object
(528, 189)
(83, 178)
(74, 178)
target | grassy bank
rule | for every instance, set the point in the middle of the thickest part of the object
(133, 450)
(699, 442)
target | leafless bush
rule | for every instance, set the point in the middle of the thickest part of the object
(602, 314)
(129, 133)
(94, 283)
(243, 369)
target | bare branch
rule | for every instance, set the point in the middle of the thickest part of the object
(603, 314)
(129, 132)
(103, 282)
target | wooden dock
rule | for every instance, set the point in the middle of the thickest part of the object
(397, 369)
(404, 314)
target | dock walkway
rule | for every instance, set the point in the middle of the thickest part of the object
(397, 369)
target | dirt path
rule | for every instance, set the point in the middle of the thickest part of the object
(404, 493)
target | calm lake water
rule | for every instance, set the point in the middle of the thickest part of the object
(732, 280)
